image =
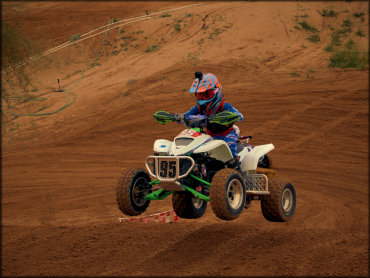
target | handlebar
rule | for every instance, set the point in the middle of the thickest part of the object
(222, 118)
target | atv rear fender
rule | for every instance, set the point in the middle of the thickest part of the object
(250, 159)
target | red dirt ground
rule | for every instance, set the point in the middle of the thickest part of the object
(59, 215)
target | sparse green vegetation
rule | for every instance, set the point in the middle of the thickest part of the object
(346, 23)
(177, 27)
(308, 74)
(130, 82)
(336, 35)
(138, 32)
(360, 33)
(126, 38)
(308, 27)
(115, 52)
(114, 20)
(350, 44)
(314, 38)
(165, 15)
(154, 47)
(347, 55)
(215, 34)
(303, 16)
(74, 38)
(193, 58)
(328, 13)
(294, 74)
(358, 15)
(329, 48)
(349, 59)
(122, 31)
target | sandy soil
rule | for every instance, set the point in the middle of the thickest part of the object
(59, 215)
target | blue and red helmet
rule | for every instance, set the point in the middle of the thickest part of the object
(207, 90)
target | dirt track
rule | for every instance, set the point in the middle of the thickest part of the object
(59, 215)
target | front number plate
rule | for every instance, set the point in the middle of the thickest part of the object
(167, 168)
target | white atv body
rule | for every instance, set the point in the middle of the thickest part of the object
(190, 139)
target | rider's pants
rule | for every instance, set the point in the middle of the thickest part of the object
(230, 139)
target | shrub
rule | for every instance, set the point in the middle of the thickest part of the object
(75, 38)
(165, 15)
(346, 23)
(307, 27)
(358, 15)
(294, 74)
(177, 27)
(350, 44)
(314, 38)
(330, 13)
(329, 48)
(154, 47)
(360, 33)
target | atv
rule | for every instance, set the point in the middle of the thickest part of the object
(197, 169)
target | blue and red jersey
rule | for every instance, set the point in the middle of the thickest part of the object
(216, 129)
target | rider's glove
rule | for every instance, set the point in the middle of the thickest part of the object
(179, 117)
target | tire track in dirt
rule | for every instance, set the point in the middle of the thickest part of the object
(323, 129)
(301, 109)
(200, 242)
(204, 25)
(47, 213)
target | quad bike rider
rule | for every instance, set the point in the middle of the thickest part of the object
(210, 101)
(216, 165)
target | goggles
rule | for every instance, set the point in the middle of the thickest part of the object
(205, 95)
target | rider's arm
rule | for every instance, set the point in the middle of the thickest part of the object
(229, 107)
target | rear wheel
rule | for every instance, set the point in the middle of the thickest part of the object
(280, 205)
(131, 189)
(187, 206)
(264, 162)
(227, 194)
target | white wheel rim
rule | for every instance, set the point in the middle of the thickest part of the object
(234, 194)
(197, 203)
(136, 190)
(287, 200)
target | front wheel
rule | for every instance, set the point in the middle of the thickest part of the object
(280, 205)
(187, 206)
(227, 194)
(131, 189)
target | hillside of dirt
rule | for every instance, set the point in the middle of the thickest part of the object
(281, 64)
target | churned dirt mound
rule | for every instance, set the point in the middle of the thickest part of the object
(60, 163)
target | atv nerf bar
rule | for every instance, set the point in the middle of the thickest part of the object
(169, 168)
